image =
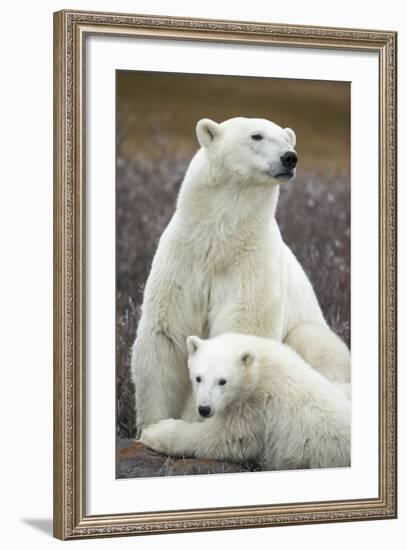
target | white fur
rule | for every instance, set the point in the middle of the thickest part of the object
(221, 265)
(272, 408)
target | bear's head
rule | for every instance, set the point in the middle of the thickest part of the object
(222, 373)
(249, 149)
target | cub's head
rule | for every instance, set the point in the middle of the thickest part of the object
(220, 373)
(251, 149)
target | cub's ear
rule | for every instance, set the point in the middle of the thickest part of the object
(291, 136)
(207, 131)
(193, 343)
(247, 358)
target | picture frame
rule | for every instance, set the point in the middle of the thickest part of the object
(72, 30)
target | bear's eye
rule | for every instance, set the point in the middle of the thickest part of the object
(222, 382)
(257, 137)
(198, 379)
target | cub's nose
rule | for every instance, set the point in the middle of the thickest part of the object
(289, 160)
(204, 411)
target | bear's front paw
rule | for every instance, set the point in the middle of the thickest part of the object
(161, 437)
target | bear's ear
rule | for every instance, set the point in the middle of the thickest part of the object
(193, 343)
(247, 358)
(291, 136)
(207, 131)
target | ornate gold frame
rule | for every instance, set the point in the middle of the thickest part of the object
(70, 31)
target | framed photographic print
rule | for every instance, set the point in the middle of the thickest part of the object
(225, 274)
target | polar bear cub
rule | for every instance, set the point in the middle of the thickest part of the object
(261, 402)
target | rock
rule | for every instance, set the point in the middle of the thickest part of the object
(133, 459)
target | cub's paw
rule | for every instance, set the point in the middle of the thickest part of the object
(161, 437)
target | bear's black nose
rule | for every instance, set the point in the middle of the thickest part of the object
(289, 160)
(204, 411)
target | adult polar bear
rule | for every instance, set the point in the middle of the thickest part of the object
(222, 266)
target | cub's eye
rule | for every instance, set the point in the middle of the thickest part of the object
(222, 382)
(198, 379)
(257, 137)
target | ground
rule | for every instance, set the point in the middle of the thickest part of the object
(135, 460)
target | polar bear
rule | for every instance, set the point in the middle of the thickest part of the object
(222, 266)
(261, 402)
